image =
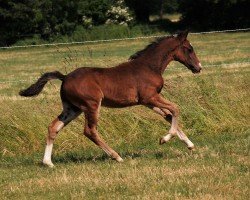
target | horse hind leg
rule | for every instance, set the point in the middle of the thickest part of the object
(90, 131)
(68, 114)
(55, 126)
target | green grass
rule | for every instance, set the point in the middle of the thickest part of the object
(215, 113)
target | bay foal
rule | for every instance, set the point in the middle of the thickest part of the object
(136, 82)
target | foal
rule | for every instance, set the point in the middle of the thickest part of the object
(136, 82)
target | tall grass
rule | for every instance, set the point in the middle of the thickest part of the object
(215, 111)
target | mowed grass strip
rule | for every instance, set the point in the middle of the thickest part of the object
(215, 112)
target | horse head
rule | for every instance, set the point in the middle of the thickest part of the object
(185, 53)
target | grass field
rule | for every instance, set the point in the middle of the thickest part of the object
(215, 113)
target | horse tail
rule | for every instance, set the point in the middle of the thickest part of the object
(38, 86)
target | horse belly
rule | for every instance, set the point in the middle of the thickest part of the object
(120, 98)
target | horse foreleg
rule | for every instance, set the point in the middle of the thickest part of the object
(169, 117)
(165, 115)
(166, 106)
(185, 139)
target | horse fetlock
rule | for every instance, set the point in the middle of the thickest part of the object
(166, 138)
(48, 163)
(173, 131)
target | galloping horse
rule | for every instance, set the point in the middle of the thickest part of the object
(136, 82)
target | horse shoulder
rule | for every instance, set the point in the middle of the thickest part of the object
(149, 84)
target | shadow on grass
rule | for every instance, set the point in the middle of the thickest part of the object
(172, 150)
(82, 156)
(221, 146)
(161, 153)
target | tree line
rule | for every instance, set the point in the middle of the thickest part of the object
(50, 18)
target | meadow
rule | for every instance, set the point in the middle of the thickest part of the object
(215, 114)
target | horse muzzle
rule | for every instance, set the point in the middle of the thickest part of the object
(196, 68)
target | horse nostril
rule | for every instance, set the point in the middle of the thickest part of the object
(196, 69)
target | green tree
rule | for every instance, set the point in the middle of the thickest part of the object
(17, 19)
(94, 9)
(24, 18)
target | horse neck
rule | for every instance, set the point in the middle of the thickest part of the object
(157, 59)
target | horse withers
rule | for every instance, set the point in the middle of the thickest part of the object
(136, 82)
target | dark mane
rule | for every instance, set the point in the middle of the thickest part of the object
(152, 45)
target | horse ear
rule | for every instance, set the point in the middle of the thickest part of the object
(182, 36)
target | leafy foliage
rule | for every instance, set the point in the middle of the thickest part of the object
(119, 14)
(48, 18)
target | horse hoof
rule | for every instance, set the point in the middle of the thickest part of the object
(119, 159)
(191, 147)
(162, 141)
(48, 164)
